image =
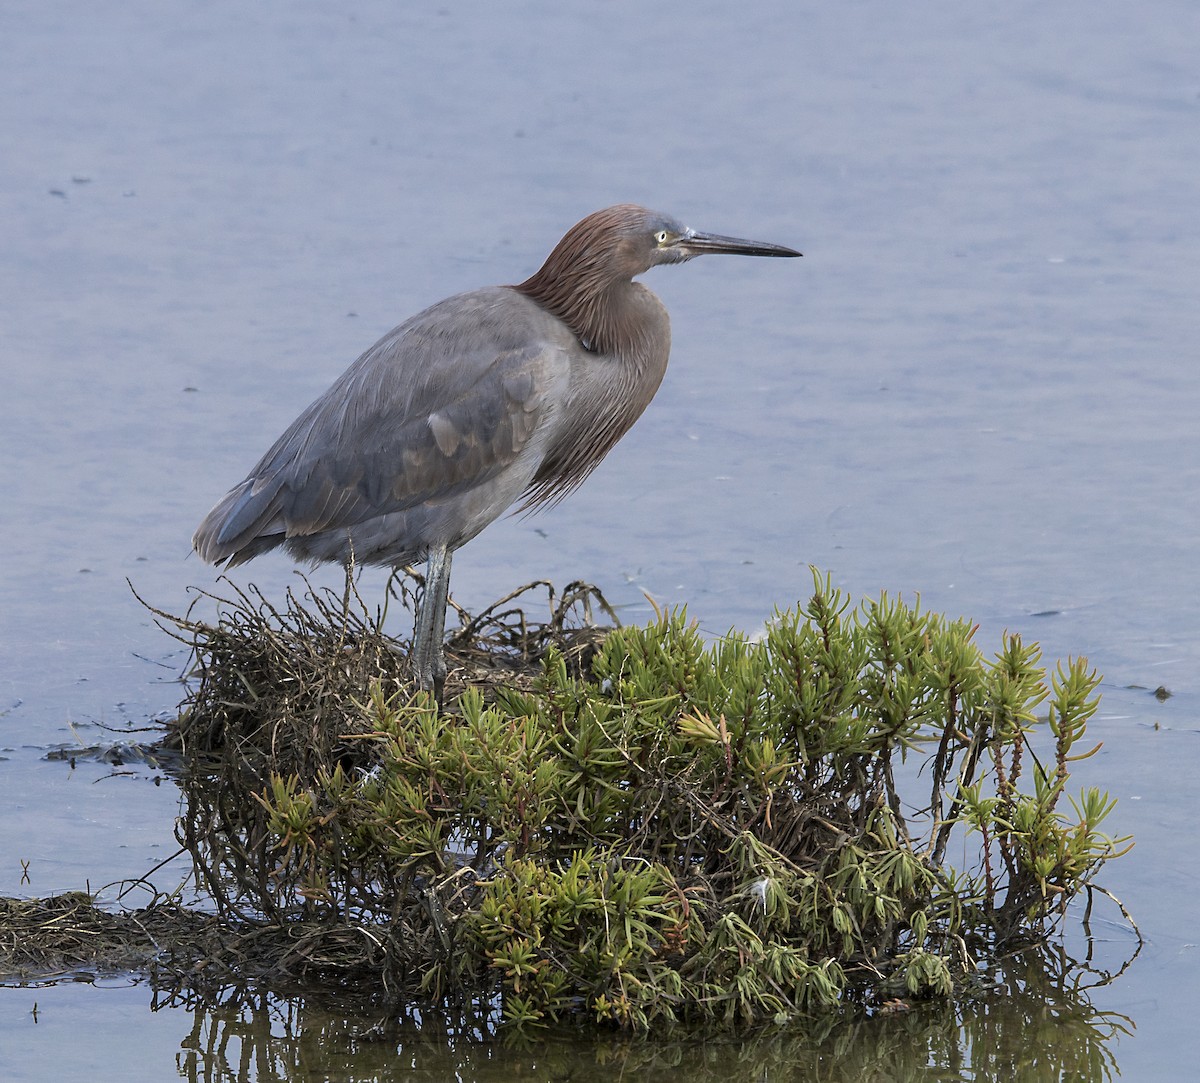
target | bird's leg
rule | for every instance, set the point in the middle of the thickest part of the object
(428, 662)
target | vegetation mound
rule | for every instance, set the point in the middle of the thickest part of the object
(636, 825)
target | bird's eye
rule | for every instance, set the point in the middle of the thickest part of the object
(661, 237)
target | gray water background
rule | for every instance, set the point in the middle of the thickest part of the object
(979, 384)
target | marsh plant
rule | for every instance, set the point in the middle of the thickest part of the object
(859, 806)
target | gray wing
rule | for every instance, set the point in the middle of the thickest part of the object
(441, 406)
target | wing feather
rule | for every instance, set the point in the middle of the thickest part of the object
(440, 406)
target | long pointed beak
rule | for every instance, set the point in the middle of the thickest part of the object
(698, 244)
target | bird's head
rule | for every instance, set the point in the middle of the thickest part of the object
(621, 242)
(590, 268)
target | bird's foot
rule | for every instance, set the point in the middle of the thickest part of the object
(429, 674)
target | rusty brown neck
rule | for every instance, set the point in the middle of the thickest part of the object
(587, 282)
(600, 315)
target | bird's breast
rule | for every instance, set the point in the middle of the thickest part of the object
(606, 393)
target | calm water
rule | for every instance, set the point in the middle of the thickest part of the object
(979, 384)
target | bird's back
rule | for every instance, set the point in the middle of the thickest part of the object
(425, 439)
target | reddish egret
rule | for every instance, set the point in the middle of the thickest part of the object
(508, 394)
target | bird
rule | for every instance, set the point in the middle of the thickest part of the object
(504, 396)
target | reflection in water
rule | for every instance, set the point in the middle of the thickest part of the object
(1034, 1023)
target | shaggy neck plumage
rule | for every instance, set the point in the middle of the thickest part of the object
(586, 284)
